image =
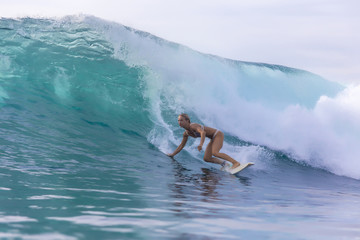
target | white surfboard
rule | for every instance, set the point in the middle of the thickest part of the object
(240, 168)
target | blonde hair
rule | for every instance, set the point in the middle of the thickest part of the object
(184, 115)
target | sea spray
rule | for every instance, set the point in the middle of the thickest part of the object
(285, 109)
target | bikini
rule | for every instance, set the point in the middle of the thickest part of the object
(197, 134)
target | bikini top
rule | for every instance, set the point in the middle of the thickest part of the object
(197, 134)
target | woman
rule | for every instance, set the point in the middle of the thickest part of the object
(217, 138)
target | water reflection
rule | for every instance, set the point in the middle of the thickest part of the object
(209, 181)
(244, 180)
(202, 193)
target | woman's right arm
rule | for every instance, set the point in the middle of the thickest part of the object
(181, 146)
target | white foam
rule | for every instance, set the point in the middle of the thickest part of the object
(274, 106)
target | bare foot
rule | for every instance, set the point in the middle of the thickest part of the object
(235, 165)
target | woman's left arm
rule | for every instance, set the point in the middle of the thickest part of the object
(202, 135)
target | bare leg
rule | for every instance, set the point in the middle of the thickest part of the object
(208, 154)
(217, 144)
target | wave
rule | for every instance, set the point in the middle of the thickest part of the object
(134, 83)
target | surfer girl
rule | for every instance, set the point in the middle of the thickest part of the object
(196, 130)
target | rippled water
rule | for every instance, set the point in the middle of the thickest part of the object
(174, 199)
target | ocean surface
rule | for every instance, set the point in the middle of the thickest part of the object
(88, 111)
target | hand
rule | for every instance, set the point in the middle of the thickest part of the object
(199, 148)
(170, 155)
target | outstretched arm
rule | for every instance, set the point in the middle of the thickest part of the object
(181, 146)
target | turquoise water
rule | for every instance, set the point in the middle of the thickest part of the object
(88, 109)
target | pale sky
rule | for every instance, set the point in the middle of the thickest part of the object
(320, 36)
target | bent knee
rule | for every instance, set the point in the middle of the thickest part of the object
(216, 154)
(207, 159)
